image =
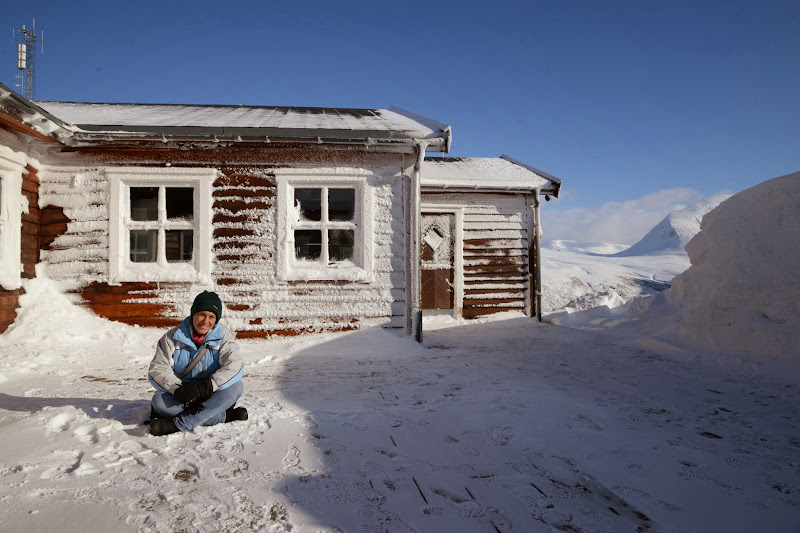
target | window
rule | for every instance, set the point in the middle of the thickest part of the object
(327, 228)
(161, 231)
(161, 218)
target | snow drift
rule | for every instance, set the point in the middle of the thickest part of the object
(671, 234)
(742, 292)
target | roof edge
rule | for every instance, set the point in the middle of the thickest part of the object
(435, 125)
(30, 112)
(554, 180)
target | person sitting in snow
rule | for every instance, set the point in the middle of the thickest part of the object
(197, 372)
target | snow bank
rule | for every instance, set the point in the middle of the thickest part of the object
(742, 292)
(51, 331)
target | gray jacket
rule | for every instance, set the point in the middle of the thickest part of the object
(176, 350)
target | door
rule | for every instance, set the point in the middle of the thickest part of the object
(437, 254)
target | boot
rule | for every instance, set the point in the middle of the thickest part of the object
(153, 416)
(233, 414)
(163, 426)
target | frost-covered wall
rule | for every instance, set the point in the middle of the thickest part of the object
(244, 250)
(496, 228)
(78, 252)
(19, 224)
(245, 247)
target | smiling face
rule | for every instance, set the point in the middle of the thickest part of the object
(203, 321)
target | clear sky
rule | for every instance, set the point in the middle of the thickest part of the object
(633, 104)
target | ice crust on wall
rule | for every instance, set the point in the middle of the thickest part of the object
(742, 292)
(675, 230)
(80, 255)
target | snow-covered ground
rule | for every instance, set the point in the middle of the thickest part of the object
(501, 424)
(575, 277)
(586, 275)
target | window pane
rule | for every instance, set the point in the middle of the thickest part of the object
(179, 245)
(341, 204)
(143, 246)
(340, 244)
(309, 203)
(307, 243)
(144, 203)
(180, 203)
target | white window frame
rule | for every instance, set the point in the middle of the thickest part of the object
(360, 267)
(121, 268)
(12, 204)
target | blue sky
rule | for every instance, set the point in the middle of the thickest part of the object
(631, 103)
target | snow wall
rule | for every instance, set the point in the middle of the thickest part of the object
(742, 293)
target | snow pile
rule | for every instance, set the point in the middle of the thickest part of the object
(742, 292)
(671, 234)
(52, 332)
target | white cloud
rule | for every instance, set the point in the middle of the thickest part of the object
(615, 222)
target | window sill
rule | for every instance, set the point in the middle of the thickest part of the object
(351, 274)
(148, 272)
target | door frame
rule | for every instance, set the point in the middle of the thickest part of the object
(458, 250)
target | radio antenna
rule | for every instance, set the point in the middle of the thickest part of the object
(26, 60)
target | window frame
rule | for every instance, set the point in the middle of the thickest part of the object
(359, 268)
(121, 268)
(12, 204)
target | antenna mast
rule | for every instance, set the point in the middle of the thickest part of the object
(26, 60)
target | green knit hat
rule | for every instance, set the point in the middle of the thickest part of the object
(207, 301)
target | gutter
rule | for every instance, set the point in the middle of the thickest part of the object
(414, 302)
(490, 188)
(258, 137)
(536, 282)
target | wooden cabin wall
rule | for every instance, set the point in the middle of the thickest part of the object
(495, 249)
(262, 305)
(244, 254)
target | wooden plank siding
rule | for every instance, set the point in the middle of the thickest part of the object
(244, 255)
(495, 250)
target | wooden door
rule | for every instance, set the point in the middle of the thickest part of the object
(438, 255)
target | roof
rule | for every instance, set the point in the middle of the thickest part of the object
(91, 120)
(493, 173)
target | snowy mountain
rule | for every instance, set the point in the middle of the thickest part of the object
(671, 234)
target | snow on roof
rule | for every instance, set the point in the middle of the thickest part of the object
(233, 119)
(502, 173)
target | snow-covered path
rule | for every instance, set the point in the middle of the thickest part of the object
(495, 426)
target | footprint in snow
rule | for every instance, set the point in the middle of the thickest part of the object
(291, 461)
(496, 435)
(460, 446)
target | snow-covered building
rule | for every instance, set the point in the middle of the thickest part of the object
(303, 219)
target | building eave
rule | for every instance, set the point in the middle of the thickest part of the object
(31, 119)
